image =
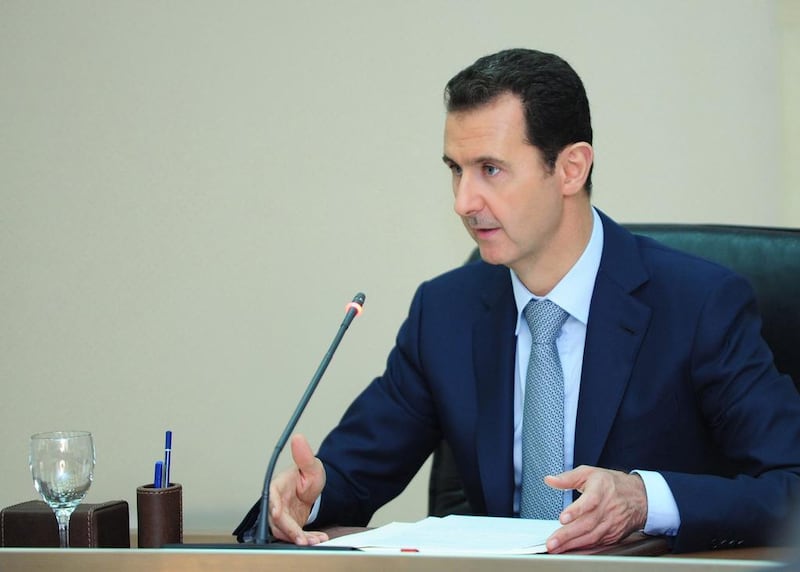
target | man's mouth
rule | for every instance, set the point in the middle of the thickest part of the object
(481, 227)
(484, 233)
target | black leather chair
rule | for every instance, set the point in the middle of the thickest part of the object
(768, 257)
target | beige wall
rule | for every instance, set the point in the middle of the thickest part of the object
(789, 50)
(191, 191)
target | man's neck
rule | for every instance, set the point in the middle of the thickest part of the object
(568, 243)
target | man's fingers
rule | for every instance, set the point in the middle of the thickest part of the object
(315, 536)
(302, 454)
(285, 528)
(613, 504)
(583, 526)
(573, 479)
(558, 482)
(588, 502)
(570, 539)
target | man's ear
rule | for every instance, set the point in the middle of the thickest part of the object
(574, 162)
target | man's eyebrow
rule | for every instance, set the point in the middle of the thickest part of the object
(476, 160)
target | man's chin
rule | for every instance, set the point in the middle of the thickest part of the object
(492, 257)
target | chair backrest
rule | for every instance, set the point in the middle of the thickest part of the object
(768, 257)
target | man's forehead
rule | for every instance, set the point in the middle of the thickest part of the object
(485, 130)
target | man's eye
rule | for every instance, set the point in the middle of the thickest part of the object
(455, 169)
(491, 170)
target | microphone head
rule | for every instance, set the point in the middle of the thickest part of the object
(357, 305)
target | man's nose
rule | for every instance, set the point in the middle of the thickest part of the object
(468, 199)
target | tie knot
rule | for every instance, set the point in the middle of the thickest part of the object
(544, 320)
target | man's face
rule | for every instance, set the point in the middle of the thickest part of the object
(509, 202)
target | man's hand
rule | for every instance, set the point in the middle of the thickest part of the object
(612, 505)
(293, 493)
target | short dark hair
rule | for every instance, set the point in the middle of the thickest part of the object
(553, 98)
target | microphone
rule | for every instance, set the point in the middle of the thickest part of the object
(352, 310)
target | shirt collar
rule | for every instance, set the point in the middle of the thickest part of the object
(573, 293)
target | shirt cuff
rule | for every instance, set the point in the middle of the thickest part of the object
(314, 511)
(663, 517)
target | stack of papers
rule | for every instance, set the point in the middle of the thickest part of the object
(455, 535)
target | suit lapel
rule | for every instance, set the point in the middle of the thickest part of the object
(617, 324)
(493, 355)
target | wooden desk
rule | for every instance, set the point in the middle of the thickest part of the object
(121, 560)
(233, 560)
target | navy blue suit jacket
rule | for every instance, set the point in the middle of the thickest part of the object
(676, 378)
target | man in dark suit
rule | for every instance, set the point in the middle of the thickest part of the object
(672, 418)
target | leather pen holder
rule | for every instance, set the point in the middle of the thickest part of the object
(33, 524)
(159, 513)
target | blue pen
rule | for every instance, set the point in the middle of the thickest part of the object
(167, 457)
(158, 473)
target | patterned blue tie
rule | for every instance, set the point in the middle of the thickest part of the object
(543, 413)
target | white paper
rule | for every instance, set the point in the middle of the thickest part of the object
(455, 535)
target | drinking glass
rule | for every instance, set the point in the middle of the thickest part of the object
(62, 466)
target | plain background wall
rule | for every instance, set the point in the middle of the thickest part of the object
(190, 192)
